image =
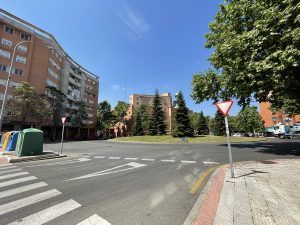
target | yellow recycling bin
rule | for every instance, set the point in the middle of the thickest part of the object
(6, 140)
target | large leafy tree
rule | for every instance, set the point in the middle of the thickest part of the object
(256, 53)
(56, 99)
(199, 123)
(105, 116)
(80, 115)
(157, 125)
(183, 124)
(249, 120)
(120, 111)
(219, 124)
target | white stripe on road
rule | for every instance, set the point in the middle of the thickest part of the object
(167, 160)
(210, 163)
(131, 158)
(150, 160)
(5, 167)
(13, 175)
(114, 157)
(9, 171)
(94, 220)
(186, 161)
(99, 157)
(17, 181)
(11, 206)
(48, 214)
(25, 188)
(62, 162)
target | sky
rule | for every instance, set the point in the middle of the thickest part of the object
(146, 44)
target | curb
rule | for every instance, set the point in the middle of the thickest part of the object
(47, 155)
(197, 214)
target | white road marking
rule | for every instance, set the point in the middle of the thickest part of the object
(13, 175)
(99, 157)
(186, 161)
(167, 160)
(210, 163)
(94, 220)
(150, 160)
(6, 167)
(11, 206)
(131, 165)
(131, 158)
(114, 157)
(17, 181)
(25, 188)
(48, 214)
(9, 171)
(84, 159)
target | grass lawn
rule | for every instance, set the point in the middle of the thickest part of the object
(200, 139)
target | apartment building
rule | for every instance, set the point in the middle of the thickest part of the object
(42, 62)
(272, 118)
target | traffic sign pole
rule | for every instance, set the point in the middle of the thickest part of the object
(229, 147)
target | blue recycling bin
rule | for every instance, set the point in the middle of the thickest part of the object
(12, 141)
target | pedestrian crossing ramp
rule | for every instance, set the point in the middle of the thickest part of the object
(18, 190)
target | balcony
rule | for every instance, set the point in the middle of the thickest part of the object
(89, 115)
(87, 122)
(74, 82)
(75, 74)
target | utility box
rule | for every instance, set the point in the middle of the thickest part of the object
(30, 142)
(12, 141)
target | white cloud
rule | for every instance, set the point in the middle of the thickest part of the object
(133, 20)
(116, 87)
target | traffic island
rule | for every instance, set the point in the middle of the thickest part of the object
(43, 156)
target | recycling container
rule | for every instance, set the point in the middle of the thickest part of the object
(12, 141)
(30, 142)
(6, 139)
(3, 138)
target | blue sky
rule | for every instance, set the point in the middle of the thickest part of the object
(150, 44)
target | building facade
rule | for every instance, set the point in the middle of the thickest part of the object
(42, 62)
(272, 118)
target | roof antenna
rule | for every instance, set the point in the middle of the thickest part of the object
(125, 90)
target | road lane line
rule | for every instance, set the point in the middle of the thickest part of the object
(167, 160)
(201, 179)
(210, 163)
(83, 159)
(48, 214)
(186, 161)
(99, 157)
(17, 181)
(13, 175)
(9, 171)
(114, 157)
(131, 158)
(11, 206)
(94, 220)
(22, 189)
(5, 167)
(150, 160)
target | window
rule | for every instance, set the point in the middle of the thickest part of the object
(9, 30)
(6, 42)
(53, 63)
(18, 72)
(25, 37)
(4, 54)
(21, 59)
(3, 68)
(22, 48)
(51, 83)
(53, 74)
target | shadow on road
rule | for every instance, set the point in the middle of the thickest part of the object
(277, 148)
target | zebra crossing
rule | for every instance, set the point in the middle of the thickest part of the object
(12, 176)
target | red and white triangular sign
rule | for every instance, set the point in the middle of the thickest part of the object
(224, 107)
(63, 120)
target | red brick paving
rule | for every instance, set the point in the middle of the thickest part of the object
(208, 209)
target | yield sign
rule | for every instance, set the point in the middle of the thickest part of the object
(63, 120)
(224, 106)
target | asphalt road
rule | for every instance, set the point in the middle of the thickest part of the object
(121, 183)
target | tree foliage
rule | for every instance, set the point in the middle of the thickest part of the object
(199, 123)
(144, 118)
(219, 128)
(120, 111)
(157, 125)
(105, 116)
(183, 124)
(137, 129)
(256, 53)
(80, 115)
(249, 120)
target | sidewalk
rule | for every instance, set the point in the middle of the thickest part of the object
(262, 193)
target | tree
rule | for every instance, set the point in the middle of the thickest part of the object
(194, 118)
(105, 117)
(27, 104)
(144, 118)
(219, 125)
(183, 124)
(256, 53)
(249, 120)
(138, 126)
(80, 115)
(120, 111)
(157, 123)
(233, 124)
(199, 123)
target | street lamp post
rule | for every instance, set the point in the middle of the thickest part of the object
(8, 79)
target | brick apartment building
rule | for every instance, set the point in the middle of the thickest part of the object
(272, 118)
(135, 101)
(42, 62)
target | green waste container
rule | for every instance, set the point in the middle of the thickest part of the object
(30, 142)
